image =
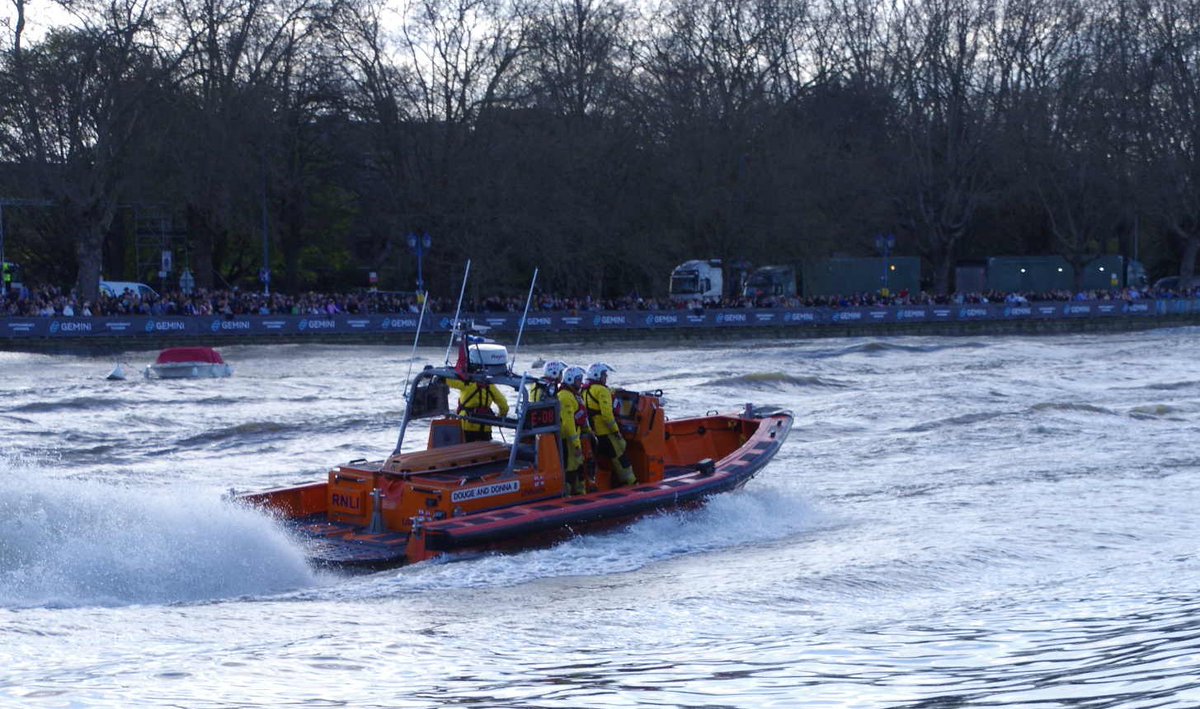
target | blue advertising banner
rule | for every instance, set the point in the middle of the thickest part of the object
(1177, 307)
(1018, 311)
(233, 327)
(667, 320)
(25, 327)
(1141, 307)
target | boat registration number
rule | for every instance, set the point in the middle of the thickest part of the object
(475, 493)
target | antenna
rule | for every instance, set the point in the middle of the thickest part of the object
(524, 315)
(408, 378)
(457, 311)
(416, 339)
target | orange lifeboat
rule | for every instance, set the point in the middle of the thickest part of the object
(455, 496)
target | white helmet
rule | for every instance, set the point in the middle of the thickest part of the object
(553, 370)
(597, 371)
(573, 376)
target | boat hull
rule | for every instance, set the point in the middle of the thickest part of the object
(679, 487)
(188, 370)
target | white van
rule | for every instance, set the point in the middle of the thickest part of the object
(115, 289)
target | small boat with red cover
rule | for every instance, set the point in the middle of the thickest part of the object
(188, 363)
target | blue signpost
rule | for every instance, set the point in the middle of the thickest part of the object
(420, 244)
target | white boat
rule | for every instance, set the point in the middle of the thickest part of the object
(188, 363)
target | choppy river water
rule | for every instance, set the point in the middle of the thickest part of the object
(953, 522)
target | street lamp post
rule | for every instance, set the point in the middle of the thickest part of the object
(885, 244)
(420, 244)
(264, 273)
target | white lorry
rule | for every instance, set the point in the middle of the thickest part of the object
(706, 281)
(771, 282)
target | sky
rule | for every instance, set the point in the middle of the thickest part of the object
(40, 16)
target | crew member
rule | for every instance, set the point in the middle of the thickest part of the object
(574, 424)
(552, 374)
(477, 399)
(598, 399)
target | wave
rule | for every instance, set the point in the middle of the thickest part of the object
(1072, 407)
(110, 403)
(70, 543)
(1154, 411)
(73, 404)
(256, 433)
(772, 380)
(758, 517)
(963, 420)
(250, 429)
(879, 347)
(1174, 386)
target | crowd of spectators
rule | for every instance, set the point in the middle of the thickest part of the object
(51, 301)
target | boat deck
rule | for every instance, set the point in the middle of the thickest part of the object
(340, 544)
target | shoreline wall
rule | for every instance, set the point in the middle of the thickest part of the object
(50, 333)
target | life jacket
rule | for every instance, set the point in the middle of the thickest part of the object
(581, 414)
(482, 396)
(541, 390)
(595, 410)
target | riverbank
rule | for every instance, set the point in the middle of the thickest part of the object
(101, 334)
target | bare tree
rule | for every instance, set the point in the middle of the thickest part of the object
(712, 74)
(422, 92)
(568, 177)
(855, 47)
(576, 50)
(1174, 28)
(237, 57)
(81, 97)
(1067, 139)
(942, 123)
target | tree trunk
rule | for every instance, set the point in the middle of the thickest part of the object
(291, 239)
(1191, 247)
(941, 271)
(202, 247)
(89, 250)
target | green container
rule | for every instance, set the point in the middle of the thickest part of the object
(850, 276)
(1039, 274)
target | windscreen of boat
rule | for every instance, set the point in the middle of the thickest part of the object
(430, 396)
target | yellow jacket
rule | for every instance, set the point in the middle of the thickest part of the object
(473, 398)
(572, 415)
(600, 408)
